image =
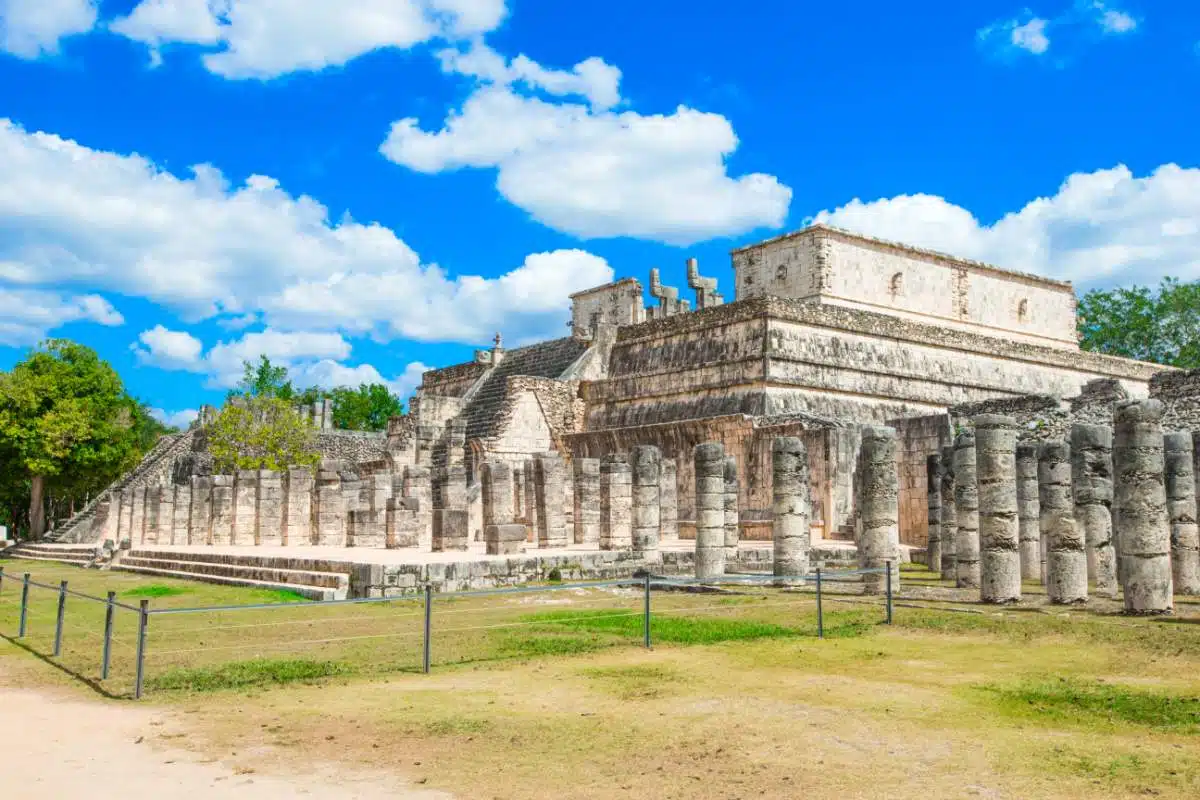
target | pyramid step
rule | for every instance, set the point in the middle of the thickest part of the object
(310, 592)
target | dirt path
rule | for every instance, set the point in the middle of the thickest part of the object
(61, 747)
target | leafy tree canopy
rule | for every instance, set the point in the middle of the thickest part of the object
(1160, 325)
(263, 432)
(367, 408)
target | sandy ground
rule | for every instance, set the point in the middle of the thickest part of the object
(59, 747)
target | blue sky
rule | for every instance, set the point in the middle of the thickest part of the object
(361, 193)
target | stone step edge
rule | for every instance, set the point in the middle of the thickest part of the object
(339, 579)
(300, 562)
(25, 557)
(311, 592)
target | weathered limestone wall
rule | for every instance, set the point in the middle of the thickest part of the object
(618, 303)
(918, 438)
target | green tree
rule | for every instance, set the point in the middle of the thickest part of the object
(264, 379)
(367, 408)
(261, 432)
(66, 423)
(1160, 325)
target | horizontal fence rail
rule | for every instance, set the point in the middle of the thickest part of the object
(412, 632)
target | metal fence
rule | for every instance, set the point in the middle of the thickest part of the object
(101, 640)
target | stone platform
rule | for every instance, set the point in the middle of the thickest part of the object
(327, 573)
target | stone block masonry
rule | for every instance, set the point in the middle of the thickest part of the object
(1092, 483)
(200, 516)
(150, 515)
(966, 501)
(497, 487)
(222, 510)
(710, 510)
(933, 492)
(1028, 510)
(999, 538)
(646, 473)
(1140, 507)
(1066, 557)
(550, 477)
(245, 508)
(879, 542)
(669, 501)
(530, 483)
(949, 517)
(180, 521)
(586, 521)
(1180, 477)
(616, 503)
(792, 507)
(298, 505)
(329, 510)
(732, 518)
(270, 510)
(504, 539)
(137, 516)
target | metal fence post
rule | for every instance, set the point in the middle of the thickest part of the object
(428, 627)
(58, 624)
(646, 615)
(889, 590)
(820, 616)
(143, 623)
(1, 579)
(108, 625)
(24, 606)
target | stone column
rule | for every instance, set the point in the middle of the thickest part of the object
(587, 501)
(966, 499)
(496, 478)
(222, 510)
(616, 503)
(245, 508)
(933, 495)
(1028, 511)
(1140, 507)
(733, 529)
(999, 538)
(182, 514)
(531, 516)
(153, 503)
(879, 542)
(269, 513)
(791, 506)
(668, 502)
(949, 517)
(200, 518)
(298, 497)
(368, 522)
(1180, 478)
(646, 469)
(450, 516)
(166, 513)
(1066, 557)
(418, 490)
(125, 521)
(1091, 479)
(552, 518)
(710, 510)
(329, 510)
(137, 517)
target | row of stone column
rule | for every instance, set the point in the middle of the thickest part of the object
(1119, 511)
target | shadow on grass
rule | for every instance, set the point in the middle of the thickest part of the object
(92, 683)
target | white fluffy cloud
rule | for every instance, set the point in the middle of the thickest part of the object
(328, 374)
(588, 169)
(167, 349)
(268, 38)
(27, 315)
(1030, 33)
(33, 28)
(204, 248)
(176, 419)
(1101, 228)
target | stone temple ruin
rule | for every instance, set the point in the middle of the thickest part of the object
(857, 400)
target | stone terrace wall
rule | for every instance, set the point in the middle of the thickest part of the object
(917, 438)
(352, 446)
(1180, 394)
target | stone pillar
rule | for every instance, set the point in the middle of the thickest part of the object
(1180, 477)
(1066, 557)
(1140, 507)
(710, 510)
(137, 517)
(222, 510)
(999, 538)
(450, 517)
(153, 502)
(949, 517)
(616, 503)
(879, 542)
(646, 469)
(269, 511)
(1028, 511)
(181, 518)
(531, 517)
(668, 501)
(550, 475)
(587, 501)
(966, 500)
(496, 479)
(733, 529)
(298, 497)
(418, 491)
(125, 521)
(329, 509)
(933, 496)
(245, 508)
(791, 506)
(166, 514)
(200, 518)
(1091, 479)
(367, 524)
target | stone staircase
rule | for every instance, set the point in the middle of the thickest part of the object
(313, 580)
(83, 555)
